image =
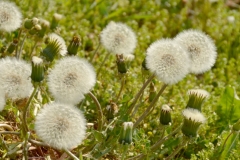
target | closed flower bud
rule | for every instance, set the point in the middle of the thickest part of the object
(152, 92)
(126, 133)
(12, 46)
(192, 120)
(35, 29)
(165, 117)
(29, 23)
(37, 69)
(196, 98)
(112, 110)
(74, 45)
(121, 65)
(55, 20)
(45, 26)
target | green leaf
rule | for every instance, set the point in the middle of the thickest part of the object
(98, 135)
(229, 106)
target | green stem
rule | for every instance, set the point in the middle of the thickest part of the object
(105, 59)
(19, 36)
(71, 154)
(100, 113)
(33, 48)
(121, 89)
(125, 149)
(225, 141)
(150, 107)
(140, 93)
(95, 52)
(25, 110)
(21, 47)
(185, 141)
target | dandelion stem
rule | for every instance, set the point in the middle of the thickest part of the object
(38, 143)
(100, 113)
(226, 141)
(33, 48)
(95, 52)
(150, 107)
(105, 59)
(25, 110)
(185, 141)
(71, 154)
(121, 89)
(139, 93)
(21, 47)
(125, 149)
(19, 36)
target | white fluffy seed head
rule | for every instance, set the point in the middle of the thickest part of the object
(199, 92)
(193, 115)
(201, 49)
(36, 60)
(118, 38)
(10, 16)
(168, 60)
(60, 126)
(15, 78)
(70, 79)
(127, 125)
(61, 42)
(166, 108)
(2, 99)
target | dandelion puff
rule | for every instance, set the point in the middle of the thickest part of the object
(61, 42)
(2, 99)
(60, 126)
(201, 49)
(118, 38)
(70, 79)
(168, 60)
(10, 16)
(194, 115)
(15, 78)
(199, 93)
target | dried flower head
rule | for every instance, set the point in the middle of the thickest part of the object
(168, 60)
(126, 133)
(10, 16)
(70, 79)
(61, 42)
(165, 117)
(118, 38)
(60, 126)
(15, 78)
(192, 120)
(201, 49)
(196, 98)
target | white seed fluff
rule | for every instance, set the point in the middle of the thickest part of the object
(15, 78)
(36, 60)
(194, 115)
(199, 92)
(2, 99)
(61, 42)
(10, 16)
(201, 49)
(118, 38)
(60, 126)
(166, 108)
(70, 79)
(168, 60)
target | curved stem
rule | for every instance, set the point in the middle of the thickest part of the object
(71, 154)
(95, 52)
(100, 113)
(185, 141)
(150, 107)
(105, 59)
(21, 47)
(226, 141)
(121, 89)
(140, 92)
(8, 127)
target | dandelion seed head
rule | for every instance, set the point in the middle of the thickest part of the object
(15, 78)
(168, 60)
(61, 126)
(10, 16)
(199, 92)
(166, 108)
(194, 115)
(201, 49)
(61, 42)
(118, 38)
(70, 79)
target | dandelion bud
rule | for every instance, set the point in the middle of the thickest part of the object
(35, 29)
(196, 98)
(192, 120)
(12, 46)
(45, 26)
(37, 69)
(29, 23)
(121, 64)
(10, 16)
(74, 45)
(236, 126)
(152, 92)
(126, 133)
(165, 117)
(55, 20)
(112, 110)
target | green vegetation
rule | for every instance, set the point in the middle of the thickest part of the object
(150, 20)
